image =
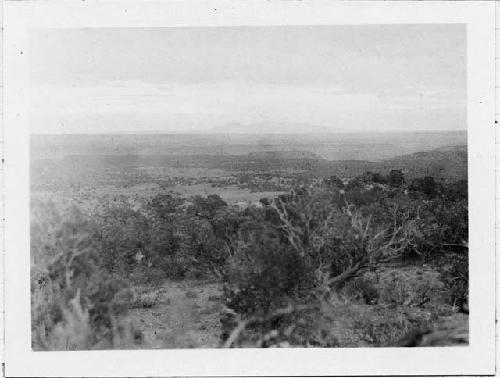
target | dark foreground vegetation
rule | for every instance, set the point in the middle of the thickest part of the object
(377, 260)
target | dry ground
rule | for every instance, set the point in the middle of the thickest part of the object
(185, 315)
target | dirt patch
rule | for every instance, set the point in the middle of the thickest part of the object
(178, 320)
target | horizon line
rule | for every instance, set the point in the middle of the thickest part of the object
(252, 133)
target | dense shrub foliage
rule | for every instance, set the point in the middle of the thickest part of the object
(76, 302)
(288, 264)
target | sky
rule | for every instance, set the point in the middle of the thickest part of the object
(350, 78)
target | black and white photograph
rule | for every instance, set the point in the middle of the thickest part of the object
(249, 186)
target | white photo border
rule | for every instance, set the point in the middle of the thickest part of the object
(476, 359)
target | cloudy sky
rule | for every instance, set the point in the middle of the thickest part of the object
(294, 78)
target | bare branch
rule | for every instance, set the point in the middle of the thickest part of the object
(292, 233)
(242, 324)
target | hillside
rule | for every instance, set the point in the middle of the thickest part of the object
(449, 162)
(287, 155)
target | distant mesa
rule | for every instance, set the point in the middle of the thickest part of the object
(288, 155)
(461, 148)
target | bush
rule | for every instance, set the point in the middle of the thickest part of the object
(263, 274)
(165, 205)
(145, 299)
(412, 287)
(426, 185)
(455, 273)
(363, 289)
(306, 245)
(396, 178)
(125, 235)
(382, 326)
(75, 303)
(206, 207)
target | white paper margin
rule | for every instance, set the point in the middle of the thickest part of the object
(477, 358)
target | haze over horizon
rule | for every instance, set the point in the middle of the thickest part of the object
(276, 79)
(220, 131)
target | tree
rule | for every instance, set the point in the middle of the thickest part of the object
(396, 178)
(164, 205)
(206, 207)
(124, 234)
(456, 191)
(426, 185)
(330, 245)
(334, 182)
(379, 178)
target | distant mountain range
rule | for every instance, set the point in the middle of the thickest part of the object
(347, 146)
(449, 163)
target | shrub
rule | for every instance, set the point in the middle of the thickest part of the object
(396, 178)
(165, 205)
(363, 289)
(125, 234)
(455, 273)
(75, 304)
(145, 299)
(206, 207)
(307, 246)
(382, 326)
(426, 185)
(262, 276)
(410, 287)
(191, 294)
